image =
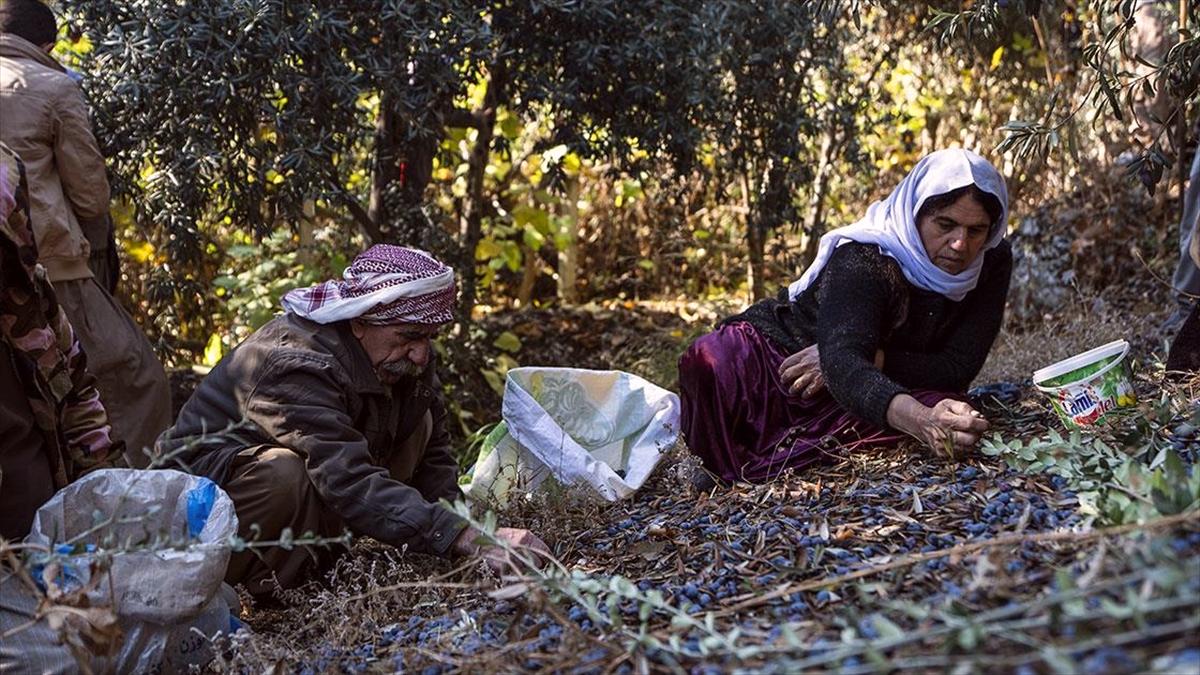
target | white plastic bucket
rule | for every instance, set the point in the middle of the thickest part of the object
(1087, 386)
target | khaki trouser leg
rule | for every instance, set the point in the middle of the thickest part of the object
(270, 487)
(132, 382)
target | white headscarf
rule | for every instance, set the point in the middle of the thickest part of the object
(892, 223)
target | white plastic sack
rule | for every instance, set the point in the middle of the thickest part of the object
(151, 648)
(170, 532)
(35, 649)
(603, 429)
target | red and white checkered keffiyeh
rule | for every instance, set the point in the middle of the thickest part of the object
(384, 285)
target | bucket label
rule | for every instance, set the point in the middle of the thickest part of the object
(1083, 405)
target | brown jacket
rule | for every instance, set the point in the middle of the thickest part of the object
(44, 120)
(310, 387)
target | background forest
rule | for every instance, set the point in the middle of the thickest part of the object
(563, 153)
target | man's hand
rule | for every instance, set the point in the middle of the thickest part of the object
(495, 556)
(801, 373)
(949, 425)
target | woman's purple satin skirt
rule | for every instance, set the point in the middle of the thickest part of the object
(744, 425)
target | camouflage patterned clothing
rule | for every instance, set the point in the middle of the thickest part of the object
(50, 365)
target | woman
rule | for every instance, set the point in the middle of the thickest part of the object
(878, 339)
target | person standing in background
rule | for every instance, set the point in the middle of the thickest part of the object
(1186, 282)
(1184, 355)
(1153, 35)
(44, 119)
(53, 427)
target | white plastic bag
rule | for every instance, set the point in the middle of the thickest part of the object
(151, 648)
(168, 536)
(603, 429)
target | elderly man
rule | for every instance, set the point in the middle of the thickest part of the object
(344, 422)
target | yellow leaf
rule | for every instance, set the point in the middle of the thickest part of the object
(996, 56)
(505, 363)
(494, 379)
(214, 350)
(141, 251)
(487, 249)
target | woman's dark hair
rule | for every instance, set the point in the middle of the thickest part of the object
(28, 19)
(987, 200)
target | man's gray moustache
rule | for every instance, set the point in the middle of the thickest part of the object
(409, 369)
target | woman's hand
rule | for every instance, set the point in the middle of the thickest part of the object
(801, 373)
(949, 425)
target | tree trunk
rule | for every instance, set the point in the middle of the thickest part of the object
(756, 242)
(568, 255)
(307, 234)
(815, 225)
(533, 265)
(401, 171)
(472, 225)
(415, 170)
(384, 172)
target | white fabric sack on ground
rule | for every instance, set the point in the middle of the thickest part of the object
(151, 648)
(34, 649)
(604, 429)
(168, 534)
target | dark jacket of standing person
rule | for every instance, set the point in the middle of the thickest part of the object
(53, 427)
(1184, 355)
(44, 119)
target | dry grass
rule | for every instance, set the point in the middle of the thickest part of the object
(1020, 350)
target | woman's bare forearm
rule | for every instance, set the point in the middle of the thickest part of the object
(907, 414)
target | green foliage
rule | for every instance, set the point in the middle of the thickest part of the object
(257, 276)
(655, 146)
(1101, 37)
(1135, 478)
(218, 114)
